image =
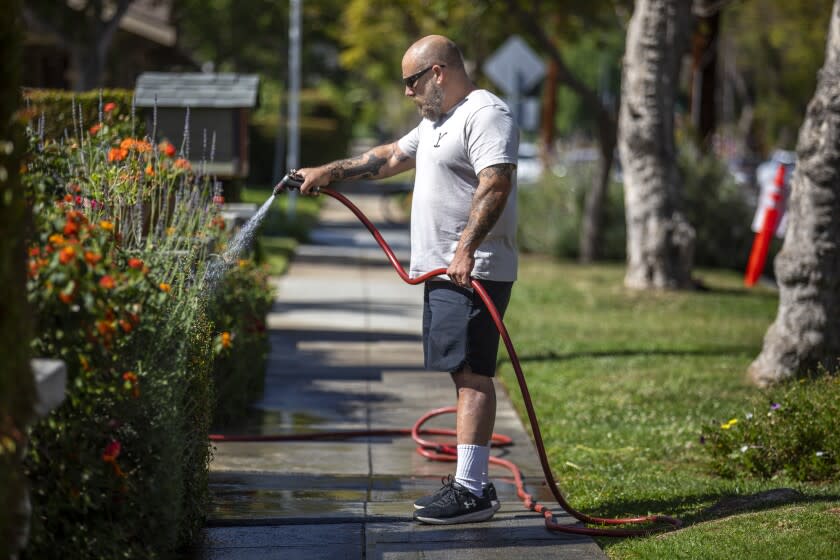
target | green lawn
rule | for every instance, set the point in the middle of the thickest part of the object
(279, 233)
(622, 382)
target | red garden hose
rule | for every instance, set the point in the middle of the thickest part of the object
(444, 452)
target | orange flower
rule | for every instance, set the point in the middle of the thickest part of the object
(181, 163)
(66, 255)
(126, 326)
(95, 128)
(103, 327)
(150, 171)
(167, 148)
(117, 154)
(65, 298)
(142, 146)
(164, 287)
(68, 197)
(92, 258)
(127, 143)
(226, 339)
(110, 106)
(134, 263)
(131, 379)
(107, 282)
(56, 239)
(106, 225)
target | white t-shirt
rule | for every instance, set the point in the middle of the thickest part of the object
(477, 133)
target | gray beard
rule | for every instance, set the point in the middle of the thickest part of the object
(431, 108)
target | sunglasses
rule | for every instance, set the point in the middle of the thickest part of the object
(411, 81)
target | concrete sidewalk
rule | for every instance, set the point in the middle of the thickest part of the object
(346, 355)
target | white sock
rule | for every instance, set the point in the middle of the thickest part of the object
(471, 472)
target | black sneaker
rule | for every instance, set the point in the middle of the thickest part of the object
(489, 490)
(456, 504)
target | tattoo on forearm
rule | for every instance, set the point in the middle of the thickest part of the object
(364, 166)
(488, 203)
(501, 170)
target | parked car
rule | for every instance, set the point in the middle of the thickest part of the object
(529, 168)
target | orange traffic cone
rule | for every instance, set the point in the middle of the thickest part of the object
(761, 243)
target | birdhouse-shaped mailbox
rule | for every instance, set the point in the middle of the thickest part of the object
(218, 104)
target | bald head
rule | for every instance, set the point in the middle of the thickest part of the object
(434, 74)
(435, 49)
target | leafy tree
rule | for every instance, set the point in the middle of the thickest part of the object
(86, 32)
(772, 53)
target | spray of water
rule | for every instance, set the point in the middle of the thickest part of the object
(243, 239)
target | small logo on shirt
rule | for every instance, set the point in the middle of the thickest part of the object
(440, 137)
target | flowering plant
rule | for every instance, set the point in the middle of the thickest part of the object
(788, 430)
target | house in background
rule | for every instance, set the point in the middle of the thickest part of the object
(146, 40)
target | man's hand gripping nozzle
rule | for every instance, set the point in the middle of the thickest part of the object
(290, 181)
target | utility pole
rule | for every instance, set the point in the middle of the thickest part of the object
(293, 153)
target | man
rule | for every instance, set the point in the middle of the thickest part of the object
(463, 218)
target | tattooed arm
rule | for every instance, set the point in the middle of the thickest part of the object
(494, 186)
(377, 163)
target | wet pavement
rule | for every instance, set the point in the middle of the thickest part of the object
(346, 355)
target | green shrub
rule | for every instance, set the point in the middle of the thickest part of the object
(716, 206)
(788, 430)
(61, 114)
(550, 214)
(239, 308)
(116, 269)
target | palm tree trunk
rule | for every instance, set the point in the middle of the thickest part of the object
(806, 332)
(660, 242)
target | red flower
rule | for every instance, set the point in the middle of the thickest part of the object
(136, 264)
(112, 451)
(65, 298)
(94, 129)
(167, 148)
(107, 282)
(70, 228)
(219, 199)
(126, 326)
(109, 107)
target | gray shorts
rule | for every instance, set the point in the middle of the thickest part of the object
(457, 328)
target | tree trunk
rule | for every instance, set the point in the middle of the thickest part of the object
(806, 332)
(704, 56)
(660, 242)
(592, 222)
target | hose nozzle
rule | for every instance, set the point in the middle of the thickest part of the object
(289, 181)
